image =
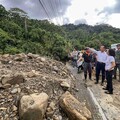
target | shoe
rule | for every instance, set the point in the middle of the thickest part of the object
(90, 79)
(96, 82)
(107, 92)
(105, 89)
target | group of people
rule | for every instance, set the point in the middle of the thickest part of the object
(105, 61)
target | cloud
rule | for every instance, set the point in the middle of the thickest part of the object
(66, 21)
(54, 8)
(80, 21)
(112, 9)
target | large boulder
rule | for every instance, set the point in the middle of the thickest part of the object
(17, 78)
(73, 108)
(33, 107)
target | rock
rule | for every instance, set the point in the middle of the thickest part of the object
(14, 108)
(17, 78)
(4, 61)
(74, 109)
(53, 72)
(1, 86)
(3, 108)
(32, 73)
(31, 56)
(7, 86)
(33, 107)
(19, 90)
(55, 68)
(5, 55)
(55, 117)
(42, 59)
(50, 109)
(65, 84)
(18, 59)
(52, 105)
(14, 91)
(49, 114)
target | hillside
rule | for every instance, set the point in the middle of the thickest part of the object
(19, 33)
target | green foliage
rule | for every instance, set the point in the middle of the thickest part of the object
(12, 50)
(3, 12)
(37, 34)
(20, 34)
(5, 40)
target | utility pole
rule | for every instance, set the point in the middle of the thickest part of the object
(26, 30)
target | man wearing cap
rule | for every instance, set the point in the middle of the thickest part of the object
(100, 66)
(117, 60)
(87, 56)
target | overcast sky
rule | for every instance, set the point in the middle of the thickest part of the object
(90, 12)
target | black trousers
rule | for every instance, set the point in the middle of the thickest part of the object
(109, 86)
(87, 69)
(100, 67)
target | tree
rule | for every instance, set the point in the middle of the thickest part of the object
(3, 12)
(37, 34)
(5, 40)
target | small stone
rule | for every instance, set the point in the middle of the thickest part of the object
(65, 84)
(50, 114)
(55, 68)
(53, 72)
(19, 90)
(55, 117)
(1, 86)
(3, 108)
(14, 91)
(32, 73)
(14, 108)
(7, 86)
(52, 105)
(6, 117)
(42, 59)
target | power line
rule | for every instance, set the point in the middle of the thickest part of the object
(60, 12)
(57, 9)
(41, 3)
(51, 5)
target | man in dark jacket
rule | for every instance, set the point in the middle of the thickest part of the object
(87, 56)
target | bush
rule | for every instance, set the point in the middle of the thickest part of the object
(12, 50)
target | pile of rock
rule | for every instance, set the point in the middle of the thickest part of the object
(31, 87)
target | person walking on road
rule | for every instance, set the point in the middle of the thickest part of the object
(100, 65)
(109, 68)
(74, 56)
(117, 60)
(87, 56)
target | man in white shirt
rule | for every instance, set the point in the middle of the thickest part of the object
(100, 66)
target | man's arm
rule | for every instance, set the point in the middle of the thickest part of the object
(93, 50)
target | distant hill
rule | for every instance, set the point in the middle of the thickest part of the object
(19, 33)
